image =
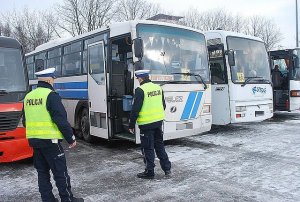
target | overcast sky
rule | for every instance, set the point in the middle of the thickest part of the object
(281, 11)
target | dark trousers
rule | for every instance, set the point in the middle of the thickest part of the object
(52, 158)
(151, 140)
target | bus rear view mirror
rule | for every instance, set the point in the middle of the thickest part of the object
(138, 48)
(231, 57)
(39, 65)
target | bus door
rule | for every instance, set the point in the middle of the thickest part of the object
(120, 88)
(220, 88)
(285, 80)
(97, 90)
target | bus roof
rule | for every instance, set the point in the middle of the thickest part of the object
(116, 29)
(9, 42)
(236, 34)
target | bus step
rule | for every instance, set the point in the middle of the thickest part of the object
(126, 136)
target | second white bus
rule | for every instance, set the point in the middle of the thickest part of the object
(240, 77)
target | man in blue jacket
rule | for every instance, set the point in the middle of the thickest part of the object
(148, 112)
(46, 125)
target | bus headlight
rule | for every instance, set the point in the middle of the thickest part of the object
(240, 108)
(206, 109)
(295, 93)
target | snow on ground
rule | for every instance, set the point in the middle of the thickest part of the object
(241, 162)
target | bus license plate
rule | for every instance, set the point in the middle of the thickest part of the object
(259, 113)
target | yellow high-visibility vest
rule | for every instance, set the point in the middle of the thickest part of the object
(38, 120)
(152, 109)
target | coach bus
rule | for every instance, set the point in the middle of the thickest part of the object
(285, 72)
(240, 77)
(96, 77)
(13, 88)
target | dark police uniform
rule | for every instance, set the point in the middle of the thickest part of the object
(48, 153)
(151, 132)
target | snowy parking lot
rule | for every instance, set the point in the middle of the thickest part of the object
(242, 162)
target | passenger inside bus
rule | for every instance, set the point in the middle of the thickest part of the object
(277, 77)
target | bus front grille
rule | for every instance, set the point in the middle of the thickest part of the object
(9, 120)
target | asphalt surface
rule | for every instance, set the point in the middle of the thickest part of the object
(241, 162)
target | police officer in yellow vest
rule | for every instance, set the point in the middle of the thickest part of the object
(148, 112)
(46, 126)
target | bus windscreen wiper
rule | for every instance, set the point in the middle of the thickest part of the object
(259, 78)
(170, 82)
(196, 77)
(3, 92)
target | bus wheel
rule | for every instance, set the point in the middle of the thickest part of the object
(85, 126)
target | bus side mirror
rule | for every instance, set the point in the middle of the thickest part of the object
(231, 57)
(39, 65)
(138, 48)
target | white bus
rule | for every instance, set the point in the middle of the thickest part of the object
(240, 77)
(286, 79)
(96, 77)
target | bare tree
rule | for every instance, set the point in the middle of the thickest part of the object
(265, 29)
(213, 19)
(31, 28)
(193, 19)
(136, 9)
(219, 19)
(5, 30)
(80, 16)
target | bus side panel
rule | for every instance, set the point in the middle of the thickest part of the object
(294, 101)
(70, 106)
(14, 146)
(220, 105)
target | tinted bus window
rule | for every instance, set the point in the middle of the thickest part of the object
(71, 64)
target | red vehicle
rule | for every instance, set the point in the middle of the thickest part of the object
(13, 88)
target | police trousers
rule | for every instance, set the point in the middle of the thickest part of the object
(52, 158)
(152, 140)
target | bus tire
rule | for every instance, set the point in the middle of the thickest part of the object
(84, 125)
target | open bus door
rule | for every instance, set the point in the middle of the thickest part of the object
(220, 87)
(285, 80)
(97, 90)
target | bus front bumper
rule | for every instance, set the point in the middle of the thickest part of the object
(14, 146)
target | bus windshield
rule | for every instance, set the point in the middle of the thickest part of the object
(12, 76)
(174, 54)
(251, 61)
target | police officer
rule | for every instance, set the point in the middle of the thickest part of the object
(46, 126)
(148, 112)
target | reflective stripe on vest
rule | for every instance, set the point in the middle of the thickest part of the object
(152, 109)
(38, 120)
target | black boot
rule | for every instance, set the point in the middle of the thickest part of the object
(77, 199)
(168, 173)
(147, 174)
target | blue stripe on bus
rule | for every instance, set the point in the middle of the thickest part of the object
(188, 106)
(196, 105)
(69, 94)
(68, 90)
(71, 85)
